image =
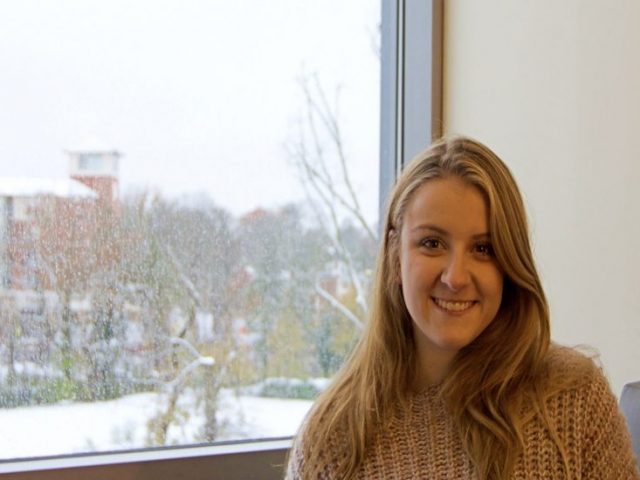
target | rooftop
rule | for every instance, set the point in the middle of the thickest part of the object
(32, 187)
(91, 144)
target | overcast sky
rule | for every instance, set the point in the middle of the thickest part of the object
(200, 96)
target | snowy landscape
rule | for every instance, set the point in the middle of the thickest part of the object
(120, 424)
(184, 258)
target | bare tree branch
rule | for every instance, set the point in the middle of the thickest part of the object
(337, 239)
(328, 117)
(200, 360)
(338, 306)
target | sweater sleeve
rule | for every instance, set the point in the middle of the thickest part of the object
(607, 452)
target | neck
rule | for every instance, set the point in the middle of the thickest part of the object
(432, 365)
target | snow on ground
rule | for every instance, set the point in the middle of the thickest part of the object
(121, 424)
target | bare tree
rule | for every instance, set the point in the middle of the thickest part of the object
(319, 154)
(190, 245)
(9, 331)
(64, 231)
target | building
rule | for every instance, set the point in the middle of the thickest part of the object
(95, 165)
(19, 200)
(92, 183)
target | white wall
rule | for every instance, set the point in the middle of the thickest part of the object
(554, 88)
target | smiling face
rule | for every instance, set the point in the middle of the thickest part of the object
(451, 282)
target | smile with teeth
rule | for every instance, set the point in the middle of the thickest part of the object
(453, 306)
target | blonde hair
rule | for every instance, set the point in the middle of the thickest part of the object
(485, 398)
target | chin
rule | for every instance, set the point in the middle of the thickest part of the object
(453, 344)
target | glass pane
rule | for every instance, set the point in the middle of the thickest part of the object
(188, 208)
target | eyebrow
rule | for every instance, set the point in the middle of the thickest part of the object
(442, 231)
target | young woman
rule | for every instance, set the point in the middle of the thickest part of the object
(455, 376)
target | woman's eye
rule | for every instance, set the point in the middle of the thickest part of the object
(484, 249)
(431, 243)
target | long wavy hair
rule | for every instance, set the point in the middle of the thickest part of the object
(485, 398)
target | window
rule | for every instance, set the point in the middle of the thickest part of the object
(90, 162)
(224, 277)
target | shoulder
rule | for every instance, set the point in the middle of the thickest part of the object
(572, 386)
(295, 460)
(581, 359)
(581, 405)
(575, 393)
(577, 379)
(568, 368)
(306, 454)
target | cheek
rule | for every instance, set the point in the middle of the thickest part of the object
(403, 275)
(401, 267)
(494, 286)
(407, 273)
(404, 278)
(415, 283)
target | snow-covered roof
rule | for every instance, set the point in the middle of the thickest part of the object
(31, 187)
(91, 144)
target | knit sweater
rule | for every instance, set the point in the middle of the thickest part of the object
(421, 442)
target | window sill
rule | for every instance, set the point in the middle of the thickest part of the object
(263, 459)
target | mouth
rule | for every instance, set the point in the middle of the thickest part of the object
(454, 306)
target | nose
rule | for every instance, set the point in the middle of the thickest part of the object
(455, 274)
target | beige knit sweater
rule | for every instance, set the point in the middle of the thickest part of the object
(421, 442)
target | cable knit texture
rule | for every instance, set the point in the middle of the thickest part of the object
(421, 441)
